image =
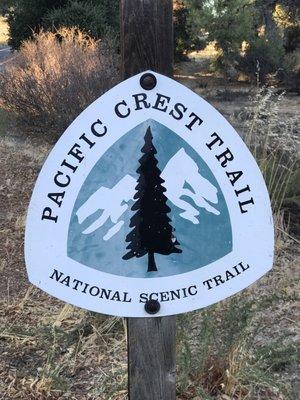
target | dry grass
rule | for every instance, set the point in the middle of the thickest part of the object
(246, 346)
(48, 350)
(274, 142)
(3, 31)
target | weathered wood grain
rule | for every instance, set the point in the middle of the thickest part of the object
(147, 36)
(147, 43)
(151, 358)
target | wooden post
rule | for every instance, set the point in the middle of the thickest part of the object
(147, 36)
(151, 358)
(147, 43)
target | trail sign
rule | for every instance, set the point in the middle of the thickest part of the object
(150, 194)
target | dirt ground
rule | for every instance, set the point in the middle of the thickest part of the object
(228, 97)
(244, 348)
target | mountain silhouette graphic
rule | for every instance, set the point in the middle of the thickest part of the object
(186, 189)
(101, 216)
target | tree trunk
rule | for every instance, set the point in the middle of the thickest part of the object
(151, 262)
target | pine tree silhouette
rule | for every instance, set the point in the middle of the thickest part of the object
(152, 232)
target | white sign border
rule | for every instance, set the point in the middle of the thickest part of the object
(253, 237)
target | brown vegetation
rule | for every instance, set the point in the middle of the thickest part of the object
(51, 81)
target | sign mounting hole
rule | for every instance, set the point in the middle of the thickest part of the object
(148, 81)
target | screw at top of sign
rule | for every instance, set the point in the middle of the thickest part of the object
(148, 81)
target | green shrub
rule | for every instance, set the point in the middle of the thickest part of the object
(228, 24)
(181, 32)
(95, 19)
(291, 71)
(262, 55)
(26, 17)
(292, 37)
(187, 32)
(246, 33)
(273, 140)
(50, 82)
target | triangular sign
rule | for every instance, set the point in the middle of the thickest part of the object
(150, 194)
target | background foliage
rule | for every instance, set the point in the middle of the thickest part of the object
(241, 348)
(248, 34)
(26, 17)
